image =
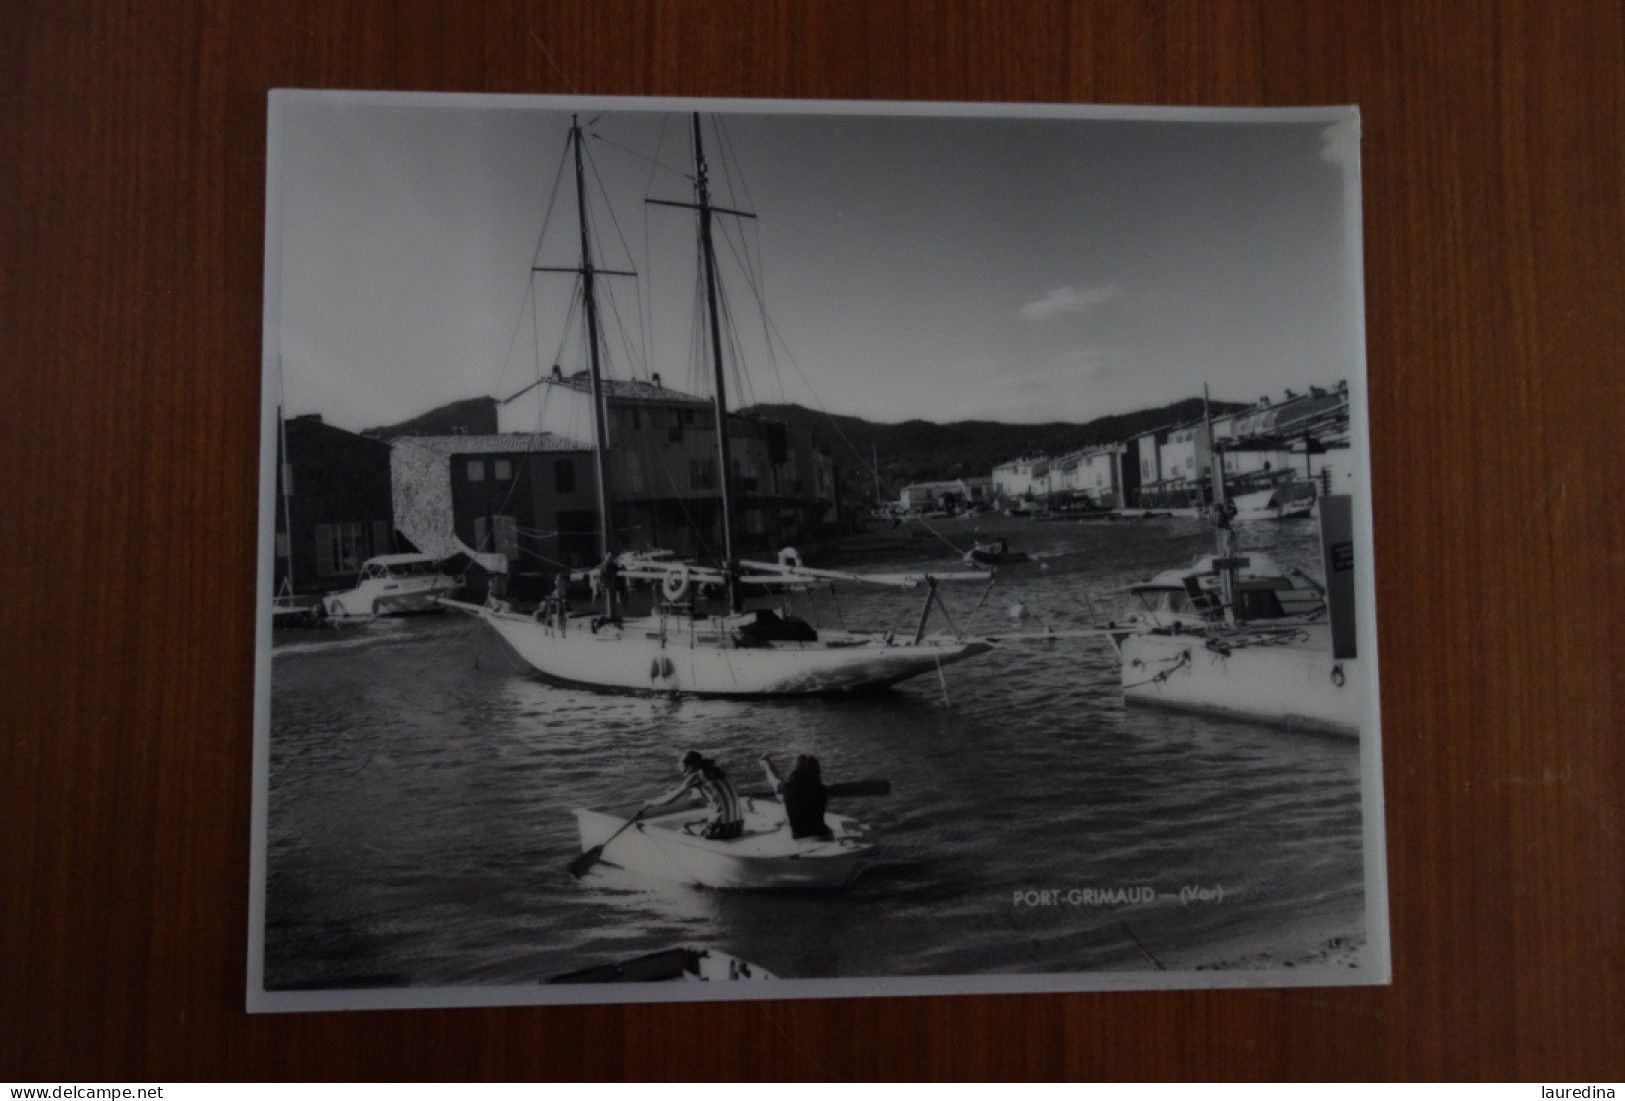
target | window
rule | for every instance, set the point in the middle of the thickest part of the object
(637, 418)
(340, 548)
(634, 473)
(688, 416)
(702, 473)
(502, 470)
(476, 470)
(564, 476)
(675, 432)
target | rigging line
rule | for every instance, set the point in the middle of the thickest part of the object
(655, 162)
(646, 301)
(626, 249)
(541, 236)
(761, 305)
(756, 278)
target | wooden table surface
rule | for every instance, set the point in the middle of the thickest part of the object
(132, 172)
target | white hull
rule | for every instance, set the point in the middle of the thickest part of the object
(1298, 685)
(371, 598)
(765, 858)
(672, 654)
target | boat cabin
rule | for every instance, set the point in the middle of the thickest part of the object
(1192, 595)
(399, 566)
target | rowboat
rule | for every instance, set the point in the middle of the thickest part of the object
(671, 965)
(666, 845)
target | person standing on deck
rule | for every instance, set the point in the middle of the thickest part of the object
(1222, 513)
(702, 775)
(561, 598)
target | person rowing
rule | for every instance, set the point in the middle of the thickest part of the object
(704, 776)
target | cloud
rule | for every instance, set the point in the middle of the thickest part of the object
(1065, 300)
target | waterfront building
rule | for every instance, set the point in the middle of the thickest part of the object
(665, 490)
(949, 496)
(333, 505)
(1023, 480)
(1300, 440)
(531, 497)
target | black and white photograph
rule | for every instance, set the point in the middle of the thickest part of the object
(747, 549)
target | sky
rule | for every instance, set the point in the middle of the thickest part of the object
(942, 267)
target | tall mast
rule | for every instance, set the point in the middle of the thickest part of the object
(1217, 460)
(708, 255)
(600, 428)
(702, 199)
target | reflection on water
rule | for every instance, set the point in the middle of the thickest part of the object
(423, 781)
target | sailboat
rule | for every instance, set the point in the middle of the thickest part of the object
(677, 648)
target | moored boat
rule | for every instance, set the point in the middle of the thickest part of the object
(666, 845)
(1193, 597)
(392, 584)
(671, 965)
(996, 553)
(678, 646)
(1235, 636)
(1272, 504)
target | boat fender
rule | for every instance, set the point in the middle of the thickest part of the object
(790, 558)
(661, 667)
(675, 585)
(1337, 676)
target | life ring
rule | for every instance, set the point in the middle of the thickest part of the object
(790, 558)
(675, 585)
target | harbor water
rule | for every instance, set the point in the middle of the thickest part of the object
(423, 781)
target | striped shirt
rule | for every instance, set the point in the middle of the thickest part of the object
(718, 792)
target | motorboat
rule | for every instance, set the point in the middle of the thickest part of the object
(392, 584)
(667, 845)
(996, 553)
(1233, 634)
(1192, 597)
(1271, 504)
(671, 965)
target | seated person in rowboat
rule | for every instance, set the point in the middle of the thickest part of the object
(701, 774)
(803, 795)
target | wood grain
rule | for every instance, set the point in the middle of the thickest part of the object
(132, 164)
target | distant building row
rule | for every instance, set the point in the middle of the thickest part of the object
(1300, 442)
(522, 483)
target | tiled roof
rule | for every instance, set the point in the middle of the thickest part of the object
(505, 443)
(629, 390)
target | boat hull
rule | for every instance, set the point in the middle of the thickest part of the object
(405, 597)
(1298, 684)
(765, 858)
(672, 655)
(671, 965)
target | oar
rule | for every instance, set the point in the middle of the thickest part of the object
(581, 864)
(848, 788)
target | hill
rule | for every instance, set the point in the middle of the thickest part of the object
(470, 417)
(923, 451)
(913, 451)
